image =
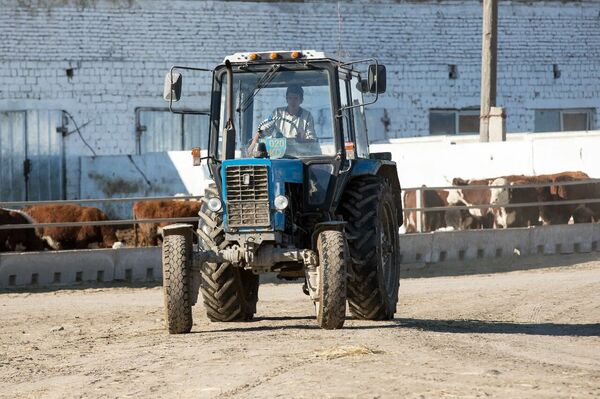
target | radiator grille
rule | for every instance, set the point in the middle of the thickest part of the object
(248, 196)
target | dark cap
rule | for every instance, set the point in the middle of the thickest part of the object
(295, 89)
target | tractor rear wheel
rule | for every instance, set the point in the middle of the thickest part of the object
(176, 263)
(331, 305)
(229, 292)
(369, 208)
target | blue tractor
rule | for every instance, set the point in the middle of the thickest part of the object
(295, 192)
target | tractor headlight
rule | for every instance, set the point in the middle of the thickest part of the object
(215, 204)
(281, 202)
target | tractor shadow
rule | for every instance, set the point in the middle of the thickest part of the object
(443, 326)
(491, 327)
(492, 266)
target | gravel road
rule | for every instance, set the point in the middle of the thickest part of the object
(532, 333)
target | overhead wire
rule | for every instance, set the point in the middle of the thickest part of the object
(79, 132)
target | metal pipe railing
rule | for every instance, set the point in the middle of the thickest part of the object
(100, 222)
(420, 190)
(87, 201)
(529, 185)
(518, 205)
(96, 223)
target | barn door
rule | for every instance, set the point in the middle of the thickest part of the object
(45, 180)
(12, 156)
(31, 155)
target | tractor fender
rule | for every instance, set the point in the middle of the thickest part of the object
(383, 168)
(178, 229)
(330, 225)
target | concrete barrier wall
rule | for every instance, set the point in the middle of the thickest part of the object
(437, 247)
(64, 268)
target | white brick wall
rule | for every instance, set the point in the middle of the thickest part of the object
(120, 51)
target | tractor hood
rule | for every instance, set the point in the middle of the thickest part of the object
(250, 187)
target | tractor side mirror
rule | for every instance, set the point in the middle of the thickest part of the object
(377, 80)
(172, 90)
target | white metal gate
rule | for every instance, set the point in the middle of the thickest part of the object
(31, 155)
(160, 130)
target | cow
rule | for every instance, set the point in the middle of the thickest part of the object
(584, 212)
(148, 234)
(463, 196)
(432, 220)
(18, 239)
(80, 237)
(524, 216)
(562, 213)
(504, 216)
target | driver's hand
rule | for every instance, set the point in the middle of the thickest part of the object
(253, 142)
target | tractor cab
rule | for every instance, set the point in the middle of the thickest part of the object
(287, 150)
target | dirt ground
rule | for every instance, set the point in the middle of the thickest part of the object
(533, 333)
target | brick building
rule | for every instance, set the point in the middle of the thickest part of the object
(103, 62)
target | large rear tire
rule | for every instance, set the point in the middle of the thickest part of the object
(333, 254)
(229, 292)
(369, 208)
(176, 263)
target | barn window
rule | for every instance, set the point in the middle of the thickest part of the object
(453, 121)
(159, 130)
(563, 120)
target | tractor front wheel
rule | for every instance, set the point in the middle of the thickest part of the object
(331, 304)
(230, 293)
(176, 263)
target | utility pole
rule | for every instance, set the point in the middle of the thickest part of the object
(489, 57)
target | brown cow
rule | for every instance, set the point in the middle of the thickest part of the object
(432, 220)
(561, 213)
(18, 239)
(147, 234)
(72, 237)
(581, 213)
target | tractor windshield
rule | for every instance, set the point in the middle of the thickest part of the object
(288, 110)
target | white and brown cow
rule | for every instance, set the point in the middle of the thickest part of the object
(18, 239)
(512, 194)
(464, 195)
(72, 237)
(504, 216)
(148, 234)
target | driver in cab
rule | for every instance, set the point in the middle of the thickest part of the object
(292, 121)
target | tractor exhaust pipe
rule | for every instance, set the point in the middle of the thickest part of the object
(229, 133)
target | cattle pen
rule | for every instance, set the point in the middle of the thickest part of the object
(435, 248)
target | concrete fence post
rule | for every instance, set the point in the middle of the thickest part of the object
(418, 213)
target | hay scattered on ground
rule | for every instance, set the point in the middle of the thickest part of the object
(337, 352)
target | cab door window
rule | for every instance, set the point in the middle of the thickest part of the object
(360, 125)
(346, 114)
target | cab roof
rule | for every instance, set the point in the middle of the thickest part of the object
(285, 55)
